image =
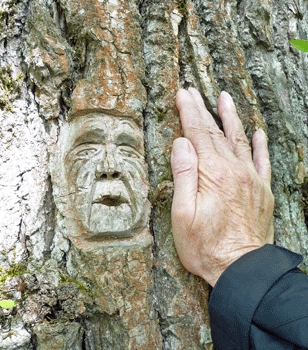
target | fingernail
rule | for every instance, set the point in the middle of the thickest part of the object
(262, 132)
(191, 89)
(180, 146)
(226, 97)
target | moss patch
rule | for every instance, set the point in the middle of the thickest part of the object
(16, 270)
(8, 9)
(182, 7)
(161, 113)
(9, 87)
(81, 286)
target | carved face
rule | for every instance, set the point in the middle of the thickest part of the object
(106, 174)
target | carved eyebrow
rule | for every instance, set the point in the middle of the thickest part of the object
(126, 122)
(92, 136)
(128, 139)
(129, 136)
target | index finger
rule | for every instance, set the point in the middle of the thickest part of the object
(195, 130)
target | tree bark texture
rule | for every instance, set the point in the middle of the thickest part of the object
(103, 273)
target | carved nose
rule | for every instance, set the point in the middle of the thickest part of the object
(108, 167)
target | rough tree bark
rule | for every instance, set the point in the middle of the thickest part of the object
(117, 64)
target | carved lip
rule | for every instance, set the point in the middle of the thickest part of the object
(112, 193)
(111, 200)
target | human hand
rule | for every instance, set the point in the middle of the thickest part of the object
(222, 205)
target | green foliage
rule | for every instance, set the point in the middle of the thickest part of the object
(7, 304)
(301, 45)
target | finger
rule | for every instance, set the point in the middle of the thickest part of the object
(233, 128)
(218, 138)
(202, 109)
(261, 156)
(184, 163)
(193, 125)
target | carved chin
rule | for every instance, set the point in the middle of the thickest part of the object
(109, 220)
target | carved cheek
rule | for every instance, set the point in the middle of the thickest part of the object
(135, 168)
(137, 185)
(86, 174)
(82, 174)
(84, 184)
(72, 171)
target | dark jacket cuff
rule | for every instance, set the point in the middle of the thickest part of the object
(240, 289)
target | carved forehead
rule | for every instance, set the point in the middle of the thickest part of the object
(103, 125)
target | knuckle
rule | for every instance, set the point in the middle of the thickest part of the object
(247, 177)
(242, 139)
(196, 124)
(216, 174)
(183, 168)
(223, 175)
(196, 129)
(216, 133)
(239, 140)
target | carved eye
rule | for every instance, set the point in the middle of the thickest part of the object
(86, 153)
(130, 152)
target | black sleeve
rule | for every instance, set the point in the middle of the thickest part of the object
(261, 302)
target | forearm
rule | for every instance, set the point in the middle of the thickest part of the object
(252, 291)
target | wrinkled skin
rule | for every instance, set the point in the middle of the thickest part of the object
(223, 204)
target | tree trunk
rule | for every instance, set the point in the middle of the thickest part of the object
(88, 116)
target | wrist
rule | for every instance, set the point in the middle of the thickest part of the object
(215, 273)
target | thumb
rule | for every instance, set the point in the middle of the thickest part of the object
(184, 163)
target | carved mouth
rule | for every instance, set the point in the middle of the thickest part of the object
(111, 200)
